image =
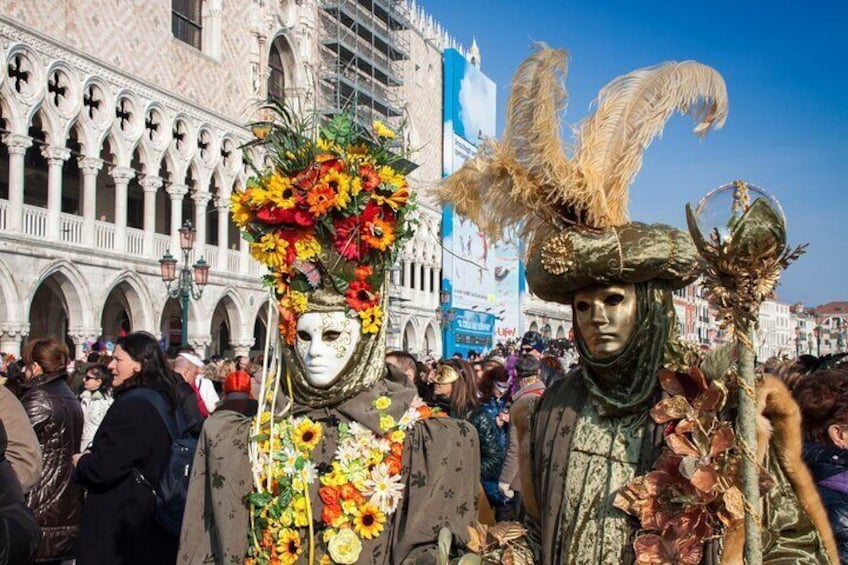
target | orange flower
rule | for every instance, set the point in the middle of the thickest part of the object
(394, 464)
(362, 272)
(397, 449)
(329, 495)
(398, 199)
(320, 199)
(331, 513)
(425, 412)
(348, 491)
(378, 234)
(370, 178)
(360, 296)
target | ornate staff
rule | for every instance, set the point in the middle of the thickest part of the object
(745, 252)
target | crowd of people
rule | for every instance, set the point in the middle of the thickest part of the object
(80, 454)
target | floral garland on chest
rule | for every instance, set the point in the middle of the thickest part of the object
(359, 489)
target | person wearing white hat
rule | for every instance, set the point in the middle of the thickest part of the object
(188, 365)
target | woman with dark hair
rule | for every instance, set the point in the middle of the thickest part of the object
(56, 418)
(118, 522)
(494, 403)
(823, 398)
(456, 391)
(95, 399)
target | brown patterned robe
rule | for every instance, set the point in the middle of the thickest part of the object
(441, 457)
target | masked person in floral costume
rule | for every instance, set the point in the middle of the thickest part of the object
(356, 469)
(632, 457)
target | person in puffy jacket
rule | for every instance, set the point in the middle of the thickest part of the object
(19, 532)
(56, 418)
(823, 398)
(118, 518)
(95, 399)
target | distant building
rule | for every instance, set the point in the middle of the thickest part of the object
(831, 327)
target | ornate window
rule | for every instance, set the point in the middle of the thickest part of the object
(187, 21)
(276, 70)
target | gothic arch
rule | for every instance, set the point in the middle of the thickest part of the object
(282, 66)
(138, 299)
(410, 337)
(10, 310)
(534, 327)
(228, 310)
(432, 345)
(74, 289)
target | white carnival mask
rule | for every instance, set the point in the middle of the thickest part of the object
(325, 343)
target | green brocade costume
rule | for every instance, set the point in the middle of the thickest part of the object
(591, 434)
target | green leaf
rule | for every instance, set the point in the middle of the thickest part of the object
(260, 437)
(300, 284)
(470, 559)
(259, 499)
(445, 540)
(299, 463)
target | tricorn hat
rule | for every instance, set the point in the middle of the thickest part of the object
(571, 209)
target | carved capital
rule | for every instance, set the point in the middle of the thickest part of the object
(123, 175)
(150, 183)
(200, 341)
(11, 331)
(177, 191)
(17, 144)
(90, 165)
(81, 335)
(55, 155)
(201, 198)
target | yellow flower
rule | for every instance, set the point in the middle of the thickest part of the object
(307, 248)
(335, 477)
(382, 131)
(397, 436)
(299, 301)
(372, 318)
(386, 422)
(280, 192)
(306, 435)
(389, 176)
(288, 546)
(270, 250)
(326, 146)
(368, 521)
(239, 208)
(345, 547)
(340, 183)
(382, 402)
(356, 186)
(300, 516)
(349, 506)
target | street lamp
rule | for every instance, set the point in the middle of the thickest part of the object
(818, 333)
(186, 284)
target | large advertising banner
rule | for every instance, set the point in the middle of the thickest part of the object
(483, 279)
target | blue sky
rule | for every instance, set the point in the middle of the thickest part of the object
(786, 69)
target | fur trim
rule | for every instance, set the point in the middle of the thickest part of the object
(779, 420)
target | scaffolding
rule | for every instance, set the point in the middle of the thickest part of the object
(361, 46)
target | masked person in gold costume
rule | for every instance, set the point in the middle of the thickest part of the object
(356, 468)
(631, 458)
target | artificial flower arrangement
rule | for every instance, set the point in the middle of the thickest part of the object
(360, 489)
(342, 196)
(693, 492)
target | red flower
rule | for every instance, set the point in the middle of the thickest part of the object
(348, 240)
(370, 178)
(292, 217)
(394, 464)
(360, 296)
(362, 272)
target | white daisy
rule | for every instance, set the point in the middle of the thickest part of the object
(347, 451)
(288, 457)
(386, 490)
(408, 419)
(309, 472)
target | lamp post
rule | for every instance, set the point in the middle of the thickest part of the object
(818, 331)
(189, 282)
(446, 316)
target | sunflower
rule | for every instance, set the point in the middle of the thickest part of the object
(270, 250)
(280, 191)
(389, 176)
(340, 184)
(240, 208)
(307, 434)
(288, 546)
(368, 521)
(299, 301)
(378, 234)
(382, 130)
(371, 319)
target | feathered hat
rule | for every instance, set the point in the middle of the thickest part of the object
(570, 207)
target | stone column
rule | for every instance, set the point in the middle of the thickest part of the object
(11, 336)
(222, 205)
(241, 346)
(200, 344)
(17, 146)
(176, 192)
(122, 177)
(150, 185)
(80, 336)
(244, 251)
(89, 167)
(201, 199)
(56, 157)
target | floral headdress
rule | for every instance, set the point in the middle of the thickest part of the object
(326, 215)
